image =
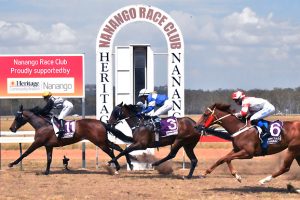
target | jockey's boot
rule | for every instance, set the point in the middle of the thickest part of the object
(157, 125)
(263, 124)
(61, 131)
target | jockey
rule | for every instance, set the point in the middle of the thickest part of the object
(255, 108)
(57, 103)
(153, 100)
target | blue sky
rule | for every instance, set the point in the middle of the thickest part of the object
(229, 44)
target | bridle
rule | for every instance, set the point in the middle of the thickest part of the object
(119, 116)
(213, 118)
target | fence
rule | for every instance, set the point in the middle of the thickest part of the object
(7, 137)
(23, 137)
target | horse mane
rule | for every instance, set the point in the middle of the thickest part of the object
(35, 110)
(222, 107)
(133, 108)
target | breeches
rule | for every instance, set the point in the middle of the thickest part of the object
(265, 112)
(67, 108)
(163, 109)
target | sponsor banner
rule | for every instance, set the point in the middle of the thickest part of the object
(39, 85)
(28, 76)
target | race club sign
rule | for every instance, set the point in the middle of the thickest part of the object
(104, 48)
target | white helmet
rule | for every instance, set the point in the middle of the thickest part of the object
(238, 95)
(144, 92)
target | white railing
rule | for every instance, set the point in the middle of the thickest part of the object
(7, 137)
(19, 137)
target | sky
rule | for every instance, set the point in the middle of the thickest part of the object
(229, 44)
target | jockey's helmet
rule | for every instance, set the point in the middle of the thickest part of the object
(47, 94)
(238, 95)
(144, 92)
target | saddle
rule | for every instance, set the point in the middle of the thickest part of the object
(69, 127)
(269, 133)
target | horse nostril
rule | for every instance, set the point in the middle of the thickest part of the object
(12, 130)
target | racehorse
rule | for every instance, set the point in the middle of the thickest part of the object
(144, 137)
(89, 129)
(246, 144)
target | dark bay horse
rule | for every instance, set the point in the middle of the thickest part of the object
(246, 144)
(144, 137)
(89, 129)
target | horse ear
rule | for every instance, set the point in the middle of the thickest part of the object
(121, 104)
(21, 107)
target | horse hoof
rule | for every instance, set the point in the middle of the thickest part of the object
(238, 177)
(10, 165)
(131, 167)
(202, 176)
(46, 173)
(186, 177)
(108, 163)
(117, 173)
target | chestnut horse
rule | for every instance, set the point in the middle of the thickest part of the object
(246, 144)
(144, 137)
(89, 129)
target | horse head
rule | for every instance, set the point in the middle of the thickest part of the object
(120, 112)
(214, 114)
(19, 120)
(123, 111)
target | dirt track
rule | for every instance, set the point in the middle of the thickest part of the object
(92, 183)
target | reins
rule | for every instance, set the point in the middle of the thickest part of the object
(241, 130)
(217, 119)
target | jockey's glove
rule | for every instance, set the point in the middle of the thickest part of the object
(238, 115)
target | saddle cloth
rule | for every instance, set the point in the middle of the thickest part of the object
(273, 135)
(169, 126)
(69, 127)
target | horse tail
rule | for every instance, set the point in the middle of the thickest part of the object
(119, 134)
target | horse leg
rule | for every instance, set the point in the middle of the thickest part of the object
(189, 149)
(174, 149)
(32, 147)
(118, 148)
(285, 167)
(242, 154)
(233, 172)
(127, 150)
(110, 152)
(49, 151)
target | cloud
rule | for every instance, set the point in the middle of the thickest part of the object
(61, 34)
(21, 38)
(18, 33)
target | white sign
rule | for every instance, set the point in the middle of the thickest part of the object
(104, 48)
(39, 85)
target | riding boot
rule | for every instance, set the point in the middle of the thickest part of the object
(157, 125)
(264, 127)
(61, 131)
(265, 132)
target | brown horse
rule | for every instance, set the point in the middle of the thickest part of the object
(144, 137)
(89, 129)
(246, 144)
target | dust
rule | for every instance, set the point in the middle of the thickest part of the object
(164, 168)
(109, 168)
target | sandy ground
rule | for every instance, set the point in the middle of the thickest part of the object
(98, 183)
